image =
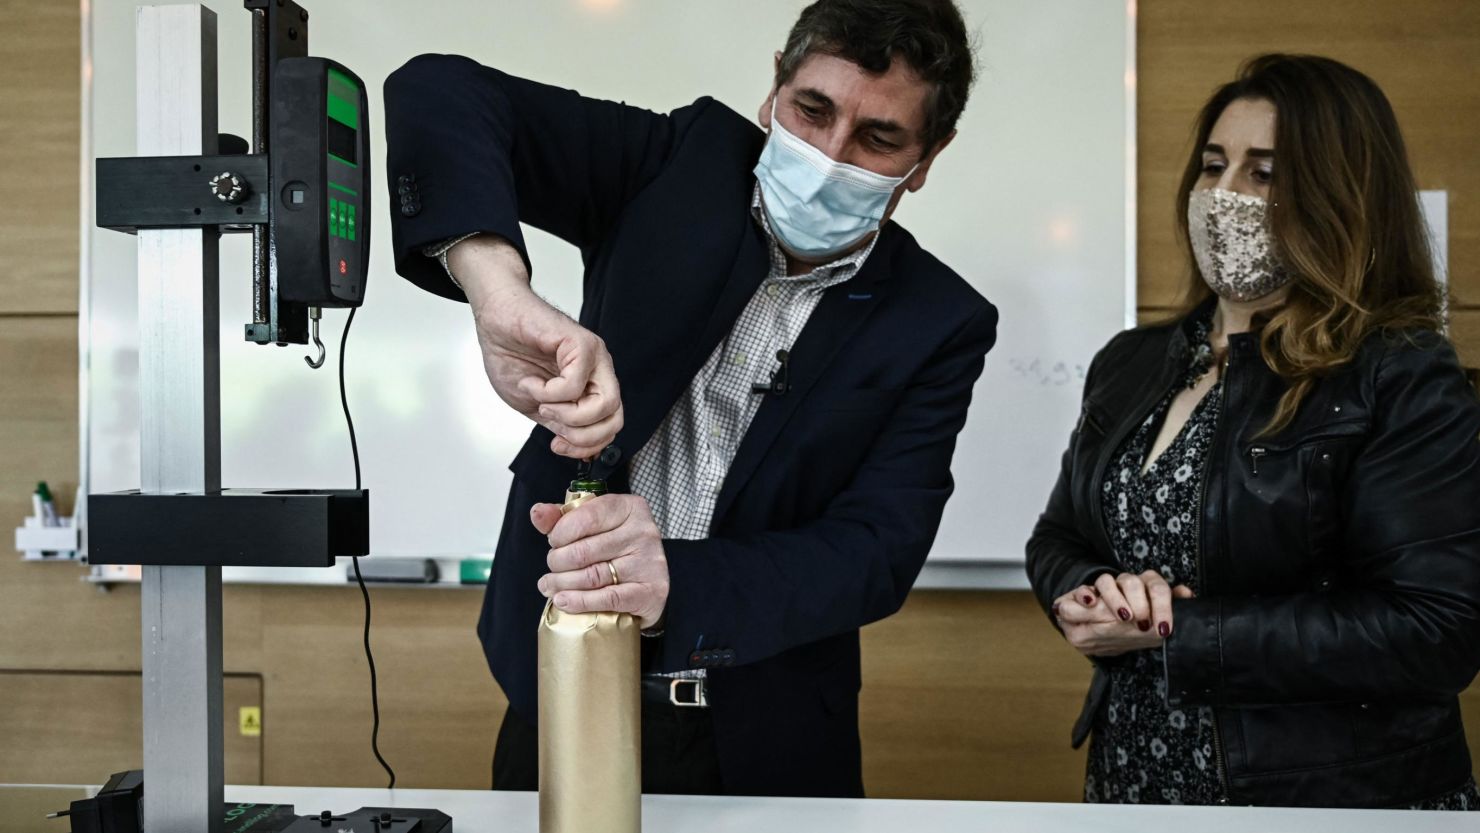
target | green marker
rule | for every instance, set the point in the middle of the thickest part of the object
(48, 506)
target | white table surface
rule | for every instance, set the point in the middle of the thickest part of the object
(475, 811)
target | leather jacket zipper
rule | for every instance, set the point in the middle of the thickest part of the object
(1255, 455)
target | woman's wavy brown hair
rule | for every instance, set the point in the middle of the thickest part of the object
(1344, 214)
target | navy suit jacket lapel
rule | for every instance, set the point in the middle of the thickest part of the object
(748, 270)
(842, 310)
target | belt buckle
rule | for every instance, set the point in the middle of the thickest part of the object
(698, 702)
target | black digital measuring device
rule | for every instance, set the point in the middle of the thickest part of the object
(321, 173)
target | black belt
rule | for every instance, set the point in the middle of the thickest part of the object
(675, 691)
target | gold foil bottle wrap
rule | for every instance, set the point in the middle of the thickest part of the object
(590, 724)
(574, 499)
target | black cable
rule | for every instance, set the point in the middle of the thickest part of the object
(374, 694)
(354, 448)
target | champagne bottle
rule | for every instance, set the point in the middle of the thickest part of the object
(590, 723)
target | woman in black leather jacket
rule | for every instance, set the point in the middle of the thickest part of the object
(1266, 530)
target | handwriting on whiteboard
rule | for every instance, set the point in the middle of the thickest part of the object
(1047, 373)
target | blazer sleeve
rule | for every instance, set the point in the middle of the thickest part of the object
(470, 149)
(760, 594)
(1060, 556)
(1403, 618)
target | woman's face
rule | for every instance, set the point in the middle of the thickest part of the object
(1239, 155)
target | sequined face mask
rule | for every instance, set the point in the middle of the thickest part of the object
(1234, 248)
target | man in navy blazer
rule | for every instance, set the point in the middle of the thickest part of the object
(794, 371)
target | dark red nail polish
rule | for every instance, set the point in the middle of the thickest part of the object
(1144, 625)
(1164, 629)
(1089, 600)
(1055, 610)
(1125, 615)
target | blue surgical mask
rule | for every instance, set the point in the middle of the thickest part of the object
(816, 206)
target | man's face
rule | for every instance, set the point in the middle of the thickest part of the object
(875, 122)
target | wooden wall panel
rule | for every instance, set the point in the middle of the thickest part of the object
(39, 123)
(80, 727)
(439, 706)
(971, 695)
(1425, 54)
(38, 412)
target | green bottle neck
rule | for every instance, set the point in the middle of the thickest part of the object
(595, 487)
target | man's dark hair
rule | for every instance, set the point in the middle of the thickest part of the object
(928, 34)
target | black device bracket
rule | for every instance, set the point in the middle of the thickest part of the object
(155, 192)
(279, 30)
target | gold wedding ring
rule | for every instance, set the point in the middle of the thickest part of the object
(615, 579)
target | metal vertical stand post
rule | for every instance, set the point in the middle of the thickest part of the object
(180, 429)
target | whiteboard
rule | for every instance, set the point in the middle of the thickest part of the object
(1033, 204)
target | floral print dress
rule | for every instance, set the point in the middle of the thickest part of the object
(1142, 751)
